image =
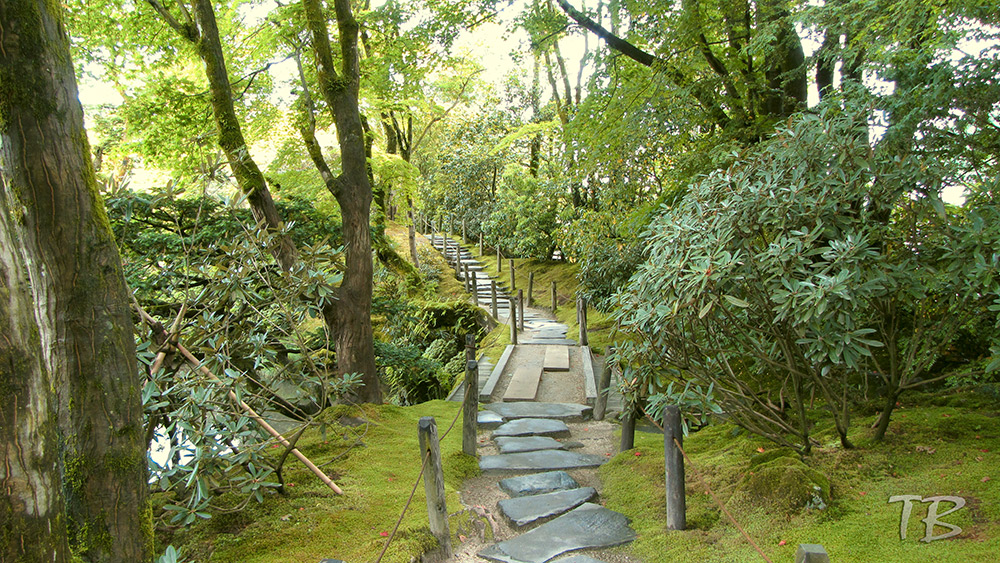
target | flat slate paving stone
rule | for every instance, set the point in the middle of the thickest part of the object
(587, 526)
(531, 427)
(488, 419)
(542, 460)
(515, 444)
(538, 483)
(548, 341)
(577, 559)
(562, 411)
(525, 510)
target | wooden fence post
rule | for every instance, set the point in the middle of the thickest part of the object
(437, 511)
(470, 406)
(628, 430)
(512, 318)
(473, 283)
(499, 261)
(520, 310)
(553, 297)
(481, 247)
(581, 315)
(493, 299)
(673, 436)
(513, 282)
(603, 386)
(465, 239)
(531, 288)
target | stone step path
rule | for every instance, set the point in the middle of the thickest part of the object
(547, 495)
(548, 510)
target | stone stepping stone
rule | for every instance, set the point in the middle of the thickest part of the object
(563, 411)
(548, 341)
(542, 460)
(577, 559)
(523, 385)
(548, 333)
(538, 483)
(532, 427)
(556, 358)
(488, 419)
(525, 510)
(588, 526)
(515, 444)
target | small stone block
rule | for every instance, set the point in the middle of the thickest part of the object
(563, 411)
(588, 526)
(525, 510)
(532, 427)
(556, 358)
(515, 444)
(524, 385)
(538, 483)
(811, 553)
(542, 460)
(488, 419)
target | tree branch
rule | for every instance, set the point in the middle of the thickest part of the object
(187, 30)
(702, 95)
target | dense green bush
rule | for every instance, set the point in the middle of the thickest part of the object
(522, 220)
(811, 265)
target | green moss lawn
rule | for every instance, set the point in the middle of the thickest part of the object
(930, 450)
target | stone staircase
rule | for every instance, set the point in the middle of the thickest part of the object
(560, 516)
(549, 512)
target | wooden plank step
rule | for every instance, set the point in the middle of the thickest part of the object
(556, 358)
(524, 385)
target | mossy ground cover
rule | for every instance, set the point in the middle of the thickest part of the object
(929, 450)
(311, 522)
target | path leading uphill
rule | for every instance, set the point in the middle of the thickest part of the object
(538, 497)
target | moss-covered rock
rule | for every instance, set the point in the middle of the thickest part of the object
(783, 483)
(772, 455)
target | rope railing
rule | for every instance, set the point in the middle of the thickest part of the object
(413, 492)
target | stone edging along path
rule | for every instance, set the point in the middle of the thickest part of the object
(539, 487)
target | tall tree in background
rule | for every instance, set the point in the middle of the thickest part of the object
(197, 25)
(70, 412)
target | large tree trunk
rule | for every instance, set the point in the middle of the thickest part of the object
(350, 319)
(70, 352)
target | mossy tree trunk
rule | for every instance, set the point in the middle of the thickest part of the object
(350, 318)
(71, 437)
(201, 29)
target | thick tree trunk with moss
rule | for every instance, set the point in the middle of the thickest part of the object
(67, 357)
(350, 319)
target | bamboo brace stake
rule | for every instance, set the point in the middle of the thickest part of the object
(252, 413)
(263, 423)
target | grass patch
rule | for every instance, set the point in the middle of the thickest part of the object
(928, 451)
(312, 523)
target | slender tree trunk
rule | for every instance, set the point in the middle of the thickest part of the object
(248, 175)
(351, 317)
(70, 406)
